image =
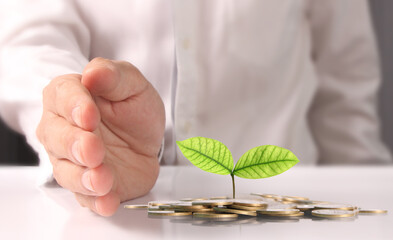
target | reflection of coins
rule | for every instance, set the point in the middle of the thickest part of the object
(329, 213)
(250, 203)
(136, 206)
(373, 211)
(212, 203)
(168, 213)
(276, 212)
(273, 208)
(215, 215)
(335, 207)
(288, 215)
(231, 210)
(267, 219)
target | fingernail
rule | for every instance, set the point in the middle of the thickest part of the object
(76, 152)
(76, 116)
(86, 181)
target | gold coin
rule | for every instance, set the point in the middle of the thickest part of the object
(287, 202)
(168, 213)
(320, 202)
(291, 198)
(136, 206)
(257, 194)
(192, 199)
(240, 212)
(155, 209)
(265, 195)
(305, 207)
(335, 207)
(195, 210)
(373, 211)
(278, 211)
(165, 207)
(218, 202)
(218, 198)
(215, 215)
(281, 206)
(246, 207)
(304, 202)
(294, 200)
(186, 199)
(187, 206)
(250, 203)
(299, 214)
(159, 203)
(333, 213)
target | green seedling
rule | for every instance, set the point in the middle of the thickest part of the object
(213, 156)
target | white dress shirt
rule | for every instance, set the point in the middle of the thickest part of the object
(299, 74)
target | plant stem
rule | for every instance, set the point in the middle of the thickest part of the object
(233, 184)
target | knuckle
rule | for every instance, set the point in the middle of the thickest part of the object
(45, 92)
(103, 63)
(99, 60)
(105, 66)
(42, 129)
(129, 67)
(38, 132)
(65, 79)
(127, 64)
(60, 85)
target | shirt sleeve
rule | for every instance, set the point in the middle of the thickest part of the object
(343, 117)
(39, 40)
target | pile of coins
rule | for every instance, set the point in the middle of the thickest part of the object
(260, 207)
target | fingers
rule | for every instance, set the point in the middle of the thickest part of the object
(67, 97)
(104, 205)
(113, 80)
(65, 141)
(94, 182)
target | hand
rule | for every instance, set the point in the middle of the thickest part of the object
(103, 132)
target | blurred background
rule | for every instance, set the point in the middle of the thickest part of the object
(15, 151)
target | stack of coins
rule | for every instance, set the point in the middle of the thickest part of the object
(259, 207)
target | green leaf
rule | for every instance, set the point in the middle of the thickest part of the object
(208, 154)
(264, 161)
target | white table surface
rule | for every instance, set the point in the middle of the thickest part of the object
(31, 212)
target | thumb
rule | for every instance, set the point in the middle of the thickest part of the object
(113, 80)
